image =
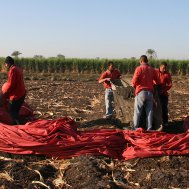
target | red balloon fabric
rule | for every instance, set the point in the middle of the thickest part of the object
(60, 138)
(25, 113)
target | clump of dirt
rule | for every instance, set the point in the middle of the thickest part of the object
(25, 174)
(19, 171)
(48, 171)
(91, 170)
(158, 172)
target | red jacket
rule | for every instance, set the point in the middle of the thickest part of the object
(115, 74)
(165, 82)
(14, 87)
(144, 78)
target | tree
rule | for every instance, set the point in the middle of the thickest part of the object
(133, 58)
(16, 54)
(38, 56)
(60, 56)
(151, 54)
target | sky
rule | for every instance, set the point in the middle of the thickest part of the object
(95, 28)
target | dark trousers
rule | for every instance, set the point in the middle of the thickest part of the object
(164, 105)
(15, 106)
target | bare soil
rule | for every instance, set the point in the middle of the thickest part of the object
(83, 100)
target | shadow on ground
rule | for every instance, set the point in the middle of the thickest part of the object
(104, 123)
(174, 127)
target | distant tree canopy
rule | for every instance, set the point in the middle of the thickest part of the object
(16, 54)
(133, 58)
(60, 56)
(151, 54)
(38, 56)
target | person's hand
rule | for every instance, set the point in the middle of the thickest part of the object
(108, 79)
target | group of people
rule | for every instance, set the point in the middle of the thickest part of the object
(143, 81)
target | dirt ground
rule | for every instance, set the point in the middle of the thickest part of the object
(83, 100)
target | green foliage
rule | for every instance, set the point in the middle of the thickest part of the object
(92, 66)
(132, 64)
(173, 67)
(187, 69)
(1, 63)
(182, 67)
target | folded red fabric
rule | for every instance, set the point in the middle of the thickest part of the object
(59, 138)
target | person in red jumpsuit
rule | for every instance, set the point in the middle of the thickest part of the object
(14, 89)
(165, 85)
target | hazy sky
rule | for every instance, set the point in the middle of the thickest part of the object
(95, 28)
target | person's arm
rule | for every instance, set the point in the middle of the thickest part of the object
(103, 78)
(136, 77)
(119, 75)
(11, 83)
(157, 80)
(169, 82)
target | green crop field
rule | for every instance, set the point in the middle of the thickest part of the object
(94, 66)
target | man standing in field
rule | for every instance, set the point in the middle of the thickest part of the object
(142, 81)
(109, 75)
(165, 85)
(14, 89)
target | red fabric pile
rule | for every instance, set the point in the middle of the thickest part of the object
(26, 113)
(60, 138)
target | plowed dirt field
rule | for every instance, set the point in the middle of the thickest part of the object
(83, 100)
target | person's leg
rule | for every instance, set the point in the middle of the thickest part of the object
(149, 109)
(108, 102)
(15, 106)
(164, 105)
(138, 108)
